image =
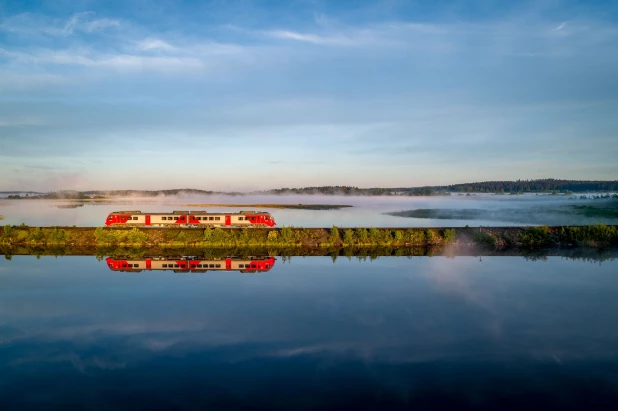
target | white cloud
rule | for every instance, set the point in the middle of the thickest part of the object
(84, 22)
(155, 44)
(89, 58)
(27, 24)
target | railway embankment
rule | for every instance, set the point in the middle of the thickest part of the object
(496, 238)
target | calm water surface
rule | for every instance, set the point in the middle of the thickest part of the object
(393, 333)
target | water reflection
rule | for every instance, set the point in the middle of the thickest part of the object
(194, 264)
(392, 333)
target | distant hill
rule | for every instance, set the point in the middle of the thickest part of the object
(156, 193)
(548, 185)
(520, 186)
(544, 185)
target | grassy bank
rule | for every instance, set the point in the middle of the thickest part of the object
(218, 237)
(598, 235)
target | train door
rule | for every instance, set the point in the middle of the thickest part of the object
(228, 264)
(148, 262)
(147, 220)
(228, 220)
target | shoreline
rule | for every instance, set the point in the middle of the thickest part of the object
(496, 238)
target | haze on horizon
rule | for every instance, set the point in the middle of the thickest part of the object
(254, 95)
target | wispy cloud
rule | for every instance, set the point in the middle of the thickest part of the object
(155, 44)
(36, 24)
(86, 22)
(89, 58)
(311, 38)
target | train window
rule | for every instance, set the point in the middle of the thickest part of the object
(163, 218)
(240, 218)
(212, 266)
(211, 218)
(175, 218)
(267, 266)
(135, 218)
(217, 218)
(241, 265)
(218, 265)
(165, 265)
(267, 218)
(175, 265)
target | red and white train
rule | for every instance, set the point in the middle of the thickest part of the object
(190, 218)
(192, 264)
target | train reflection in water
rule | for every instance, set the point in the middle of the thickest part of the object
(192, 264)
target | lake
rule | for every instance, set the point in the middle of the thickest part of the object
(310, 333)
(480, 209)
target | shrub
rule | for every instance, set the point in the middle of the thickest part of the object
(136, 236)
(375, 236)
(181, 238)
(36, 235)
(597, 234)
(334, 235)
(416, 237)
(430, 236)
(449, 235)
(535, 237)
(361, 234)
(399, 236)
(348, 237)
(56, 236)
(287, 234)
(216, 236)
(484, 239)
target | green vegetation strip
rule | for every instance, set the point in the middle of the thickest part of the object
(598, 235)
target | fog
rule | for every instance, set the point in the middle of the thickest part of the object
(434, 211)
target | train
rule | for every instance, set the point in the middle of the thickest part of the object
(192, 264)
(190, 219)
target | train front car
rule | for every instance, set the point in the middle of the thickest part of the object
(259, 218)
(122, 218)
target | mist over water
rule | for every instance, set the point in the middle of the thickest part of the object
(444, 211)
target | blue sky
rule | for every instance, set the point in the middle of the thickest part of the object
(244, 95)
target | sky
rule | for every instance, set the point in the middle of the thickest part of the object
(251, 95)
